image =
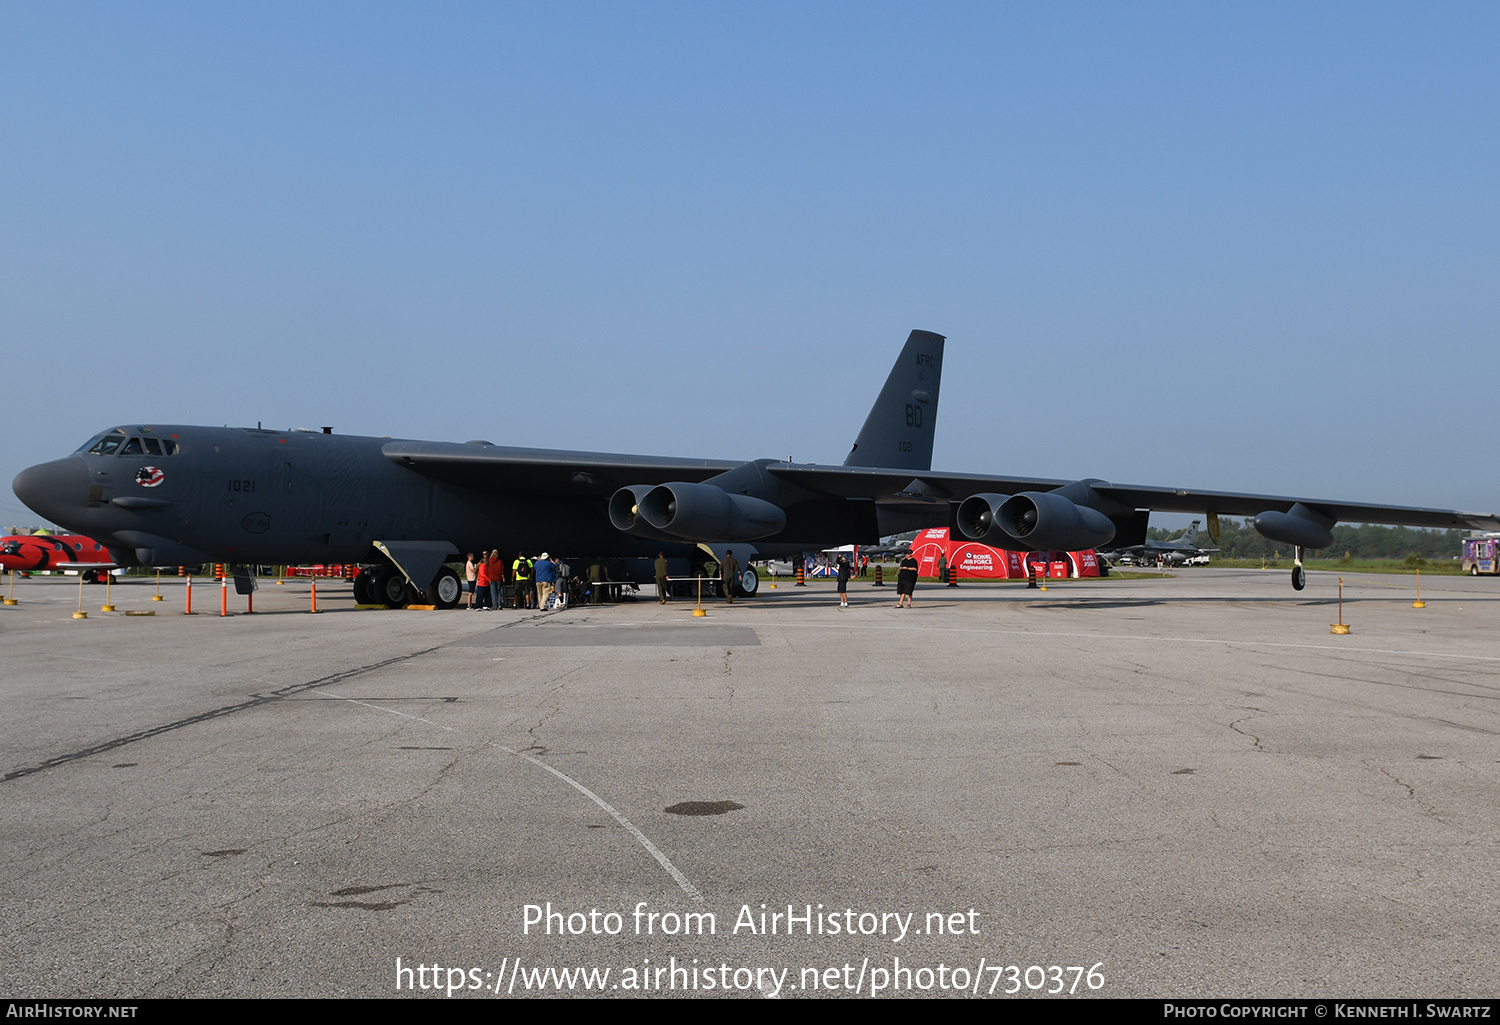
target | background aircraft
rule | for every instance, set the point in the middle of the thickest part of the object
(248, 495)
(1175, 552)
(25, 553)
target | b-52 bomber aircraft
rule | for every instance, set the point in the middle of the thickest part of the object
(161, 495)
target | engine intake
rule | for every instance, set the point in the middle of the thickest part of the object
(977, 520)
(624, 510)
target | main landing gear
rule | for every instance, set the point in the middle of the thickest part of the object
(388, 586)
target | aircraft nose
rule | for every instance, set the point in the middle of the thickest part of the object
(55, 489)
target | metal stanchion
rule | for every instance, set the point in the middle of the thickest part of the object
(1340, 627)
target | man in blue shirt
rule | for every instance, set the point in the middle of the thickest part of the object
(546, 579)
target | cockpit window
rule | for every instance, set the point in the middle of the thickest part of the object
(132, 447)
(106, 446)
(153, 447)
(169, 446)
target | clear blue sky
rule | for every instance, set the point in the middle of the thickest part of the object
(1251, 247)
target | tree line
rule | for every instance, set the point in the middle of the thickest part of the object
(1238, 540)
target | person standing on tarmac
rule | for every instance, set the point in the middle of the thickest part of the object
(471, 579)
(520, 575)
(906, 580)
(497, 580)
(729, 574)
(845, 572)
(481, 597)
(661, 578)
(546, 579)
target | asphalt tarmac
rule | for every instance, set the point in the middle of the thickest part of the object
(1182, 787)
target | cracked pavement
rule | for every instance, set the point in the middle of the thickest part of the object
(1187, 779)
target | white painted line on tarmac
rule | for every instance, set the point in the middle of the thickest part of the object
(392, 711)
(682, 880)
(665, 862)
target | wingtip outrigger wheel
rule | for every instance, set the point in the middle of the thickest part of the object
(1299, 576)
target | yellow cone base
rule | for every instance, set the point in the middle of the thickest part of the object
(1419, 604)
(106, 608)
(10, 601)
(157, 597)
(699, 612)
(1339, 628)
(80, 615)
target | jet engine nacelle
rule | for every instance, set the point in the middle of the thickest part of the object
(624, 510)
(1301, 526)
(977, 519)
(1044, 520)
(702, 512)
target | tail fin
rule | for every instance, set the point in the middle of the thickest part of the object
(1191, 534)
(898, 431)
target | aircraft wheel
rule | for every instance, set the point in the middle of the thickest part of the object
(390, 588)
(1299, 578)
(90, 577)
(446, 589)
(749, 582)
(362, 595)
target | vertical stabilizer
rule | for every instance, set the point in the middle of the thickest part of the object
(898, 431)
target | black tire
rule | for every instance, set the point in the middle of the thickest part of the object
(749, 582)
(446, 590)
(1474, 570)
(362, 595)
(1299, 578)
(390, 588)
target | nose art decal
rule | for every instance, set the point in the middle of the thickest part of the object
(149, 476)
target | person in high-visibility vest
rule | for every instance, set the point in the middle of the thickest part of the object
(520, 575)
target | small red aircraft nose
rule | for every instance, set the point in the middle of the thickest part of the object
(58, 490)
